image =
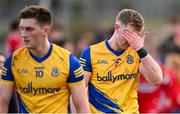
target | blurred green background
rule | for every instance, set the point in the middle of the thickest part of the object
(76, 15)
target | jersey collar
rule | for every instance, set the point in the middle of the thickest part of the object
(38, 59)
(117, 53)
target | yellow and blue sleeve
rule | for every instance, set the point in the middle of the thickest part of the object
(85, 61)
(76, 72)
(7, 76)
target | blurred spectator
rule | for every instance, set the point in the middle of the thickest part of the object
(101, 35)
(67, 44)
(57, 34)
(13, 40)
(173, 64)
(155, 98)
(151, 43)
(172, 42)
(85, 40)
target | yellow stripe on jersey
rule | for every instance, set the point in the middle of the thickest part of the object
(4, 71)
(82, 64)
(87, 73)
(77, 83)
(3, 68)
(79, 72)
(4, 74)
(114, 109)
(6, 82)
(82, 61)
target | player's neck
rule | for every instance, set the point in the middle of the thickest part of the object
(113, 43)
(41, 50)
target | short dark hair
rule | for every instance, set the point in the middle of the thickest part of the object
(14, 25)
(132, 17)
(40, 13)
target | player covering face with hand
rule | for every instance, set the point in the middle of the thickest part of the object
(112, 67)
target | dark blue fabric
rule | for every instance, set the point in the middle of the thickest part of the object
(86, 55)
(45, 57)
(74, 64)
(22, 107)
(118, 53)
(7, 65)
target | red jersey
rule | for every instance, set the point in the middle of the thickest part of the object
(13, 42)
(153, 98)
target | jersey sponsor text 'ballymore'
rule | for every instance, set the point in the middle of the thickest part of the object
(113, 78)
(35, 91)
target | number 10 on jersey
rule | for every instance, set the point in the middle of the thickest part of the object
(39, 73)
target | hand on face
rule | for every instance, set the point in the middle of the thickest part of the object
(135, 40)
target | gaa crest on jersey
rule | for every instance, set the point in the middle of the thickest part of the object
(22, 70)
(55, 71)
(129, 59)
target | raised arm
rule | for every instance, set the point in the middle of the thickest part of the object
(148, 65)
(151, 70)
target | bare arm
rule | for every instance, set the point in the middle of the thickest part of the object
(151, 70)
(5, 96)
(79, 97)
(87, 78)
(73, 109)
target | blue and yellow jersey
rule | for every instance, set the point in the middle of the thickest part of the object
(114, 78)
(42, 83)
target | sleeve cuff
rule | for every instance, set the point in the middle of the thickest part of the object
(76, 83)
(87, 73)
(5, 82)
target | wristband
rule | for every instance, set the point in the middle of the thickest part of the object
(142, 52)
